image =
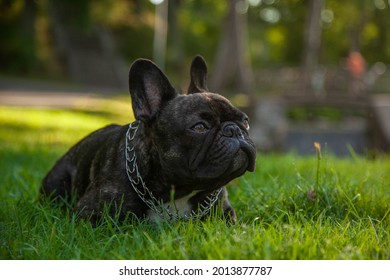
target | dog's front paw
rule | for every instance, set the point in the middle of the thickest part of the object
(229, 214)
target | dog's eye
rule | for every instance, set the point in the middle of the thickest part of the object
(246, 123)
(199, 127)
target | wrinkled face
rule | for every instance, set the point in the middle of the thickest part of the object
(201, 138)
(207, 144)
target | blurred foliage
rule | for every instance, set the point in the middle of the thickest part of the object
(275, 30)
(17, 48)
(312, 114)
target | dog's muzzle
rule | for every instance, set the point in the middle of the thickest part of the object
(231, 130)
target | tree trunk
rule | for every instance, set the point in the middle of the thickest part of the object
(232, 65)
(312, 42)
(174, 34)
(88, 56)
(160, 34)
(28, 29)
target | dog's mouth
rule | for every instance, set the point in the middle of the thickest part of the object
(227, 168)
(250, 151)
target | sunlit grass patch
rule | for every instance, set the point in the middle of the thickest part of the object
(30, 126)
(291, 207)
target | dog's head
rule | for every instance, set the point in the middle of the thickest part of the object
(201, 139)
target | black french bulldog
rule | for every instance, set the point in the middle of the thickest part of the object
(173, 162)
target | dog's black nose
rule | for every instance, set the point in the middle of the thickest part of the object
(231, 130)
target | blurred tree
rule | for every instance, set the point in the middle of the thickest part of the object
(175, 33)
(276, 32)
(18, 46)
(193, 28)
(87, 50)
(357, 25)
(232, 64)
(312, 42)
(160, 32)
(275, 28)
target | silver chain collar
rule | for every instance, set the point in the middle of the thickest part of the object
(157, 205)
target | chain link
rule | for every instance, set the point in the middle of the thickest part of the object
(157, 205)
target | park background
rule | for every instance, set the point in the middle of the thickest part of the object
(303, 70)
(306, 72)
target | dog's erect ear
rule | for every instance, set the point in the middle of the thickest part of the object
(149, 89)
(198, 76)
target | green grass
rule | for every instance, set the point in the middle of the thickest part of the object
(287, 209)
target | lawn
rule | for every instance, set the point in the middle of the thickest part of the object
(291, 207)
